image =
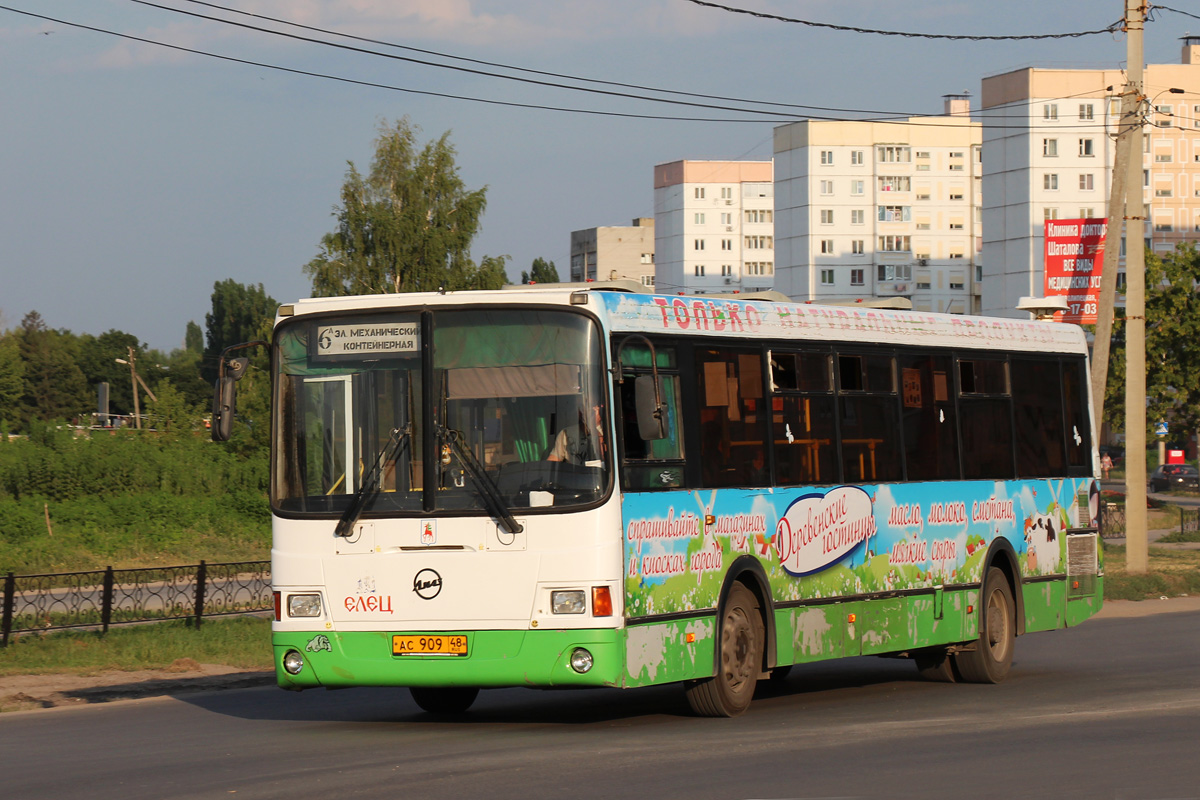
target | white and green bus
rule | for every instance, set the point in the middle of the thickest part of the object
(573, 487)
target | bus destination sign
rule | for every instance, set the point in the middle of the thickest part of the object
(366, 339)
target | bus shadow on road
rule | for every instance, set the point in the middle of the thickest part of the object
(545, 706)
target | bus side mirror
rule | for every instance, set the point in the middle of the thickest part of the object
(651, 424)
(224, 398)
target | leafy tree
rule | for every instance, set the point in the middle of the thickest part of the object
(193, 340)
(54, 386)
(543, 271)
(407, 226)
(98, 361)
(1172, 345)
(239, 314)
(490, 275)
(12, 373)
(172, 415)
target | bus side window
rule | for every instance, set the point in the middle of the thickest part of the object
(802, 418)
(870, 430)
(657, 463)
(985, 414)
(927, 409)
(733, 417)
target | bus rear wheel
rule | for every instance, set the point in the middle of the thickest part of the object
(444, 699)
(992, 657)
(742, 635)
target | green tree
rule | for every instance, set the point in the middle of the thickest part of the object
(1172, 345)
(54, 387)
(12, 374)
(543, 271)
(405, 227)
(98, 361)
(193, 339)
(490, 275)
(239, 314)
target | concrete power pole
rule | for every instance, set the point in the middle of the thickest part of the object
(1136, 554)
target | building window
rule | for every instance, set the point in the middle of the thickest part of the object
(1086, 182)
(760, 242)
(856, 157)
(895, 213)
(647, 258)
(956, 255)
(759, 267)
(1050, 147)
(699, 192)
(956, 226)
(856, 247)
(727, 270)
(759, 215)
(856, 187)
(857, 277)
(1162, 158)
(895, 244)
(956, 195)
(698, 244)
(1050, 111)
(1087, 213)
(726, 218)
(647, 280)
(1050, 213)
(895, 183)
(826, 216)
(726, 193)
(826, 187)
(894, 154)
(895, 272)
(826, 157)
(698, 270)
(1087, 147)
(954, 285)
(857, 216)
(827, 277)
(699, 218)
(1050, 181)
(727, 244)
(827, 246)
(956, 167)
(1085, 111)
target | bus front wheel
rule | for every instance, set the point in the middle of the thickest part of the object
(989, 662)
(742, 635)
(444, 699)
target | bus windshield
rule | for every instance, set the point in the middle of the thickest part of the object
(500, 405)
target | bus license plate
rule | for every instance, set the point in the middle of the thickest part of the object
(441, 645)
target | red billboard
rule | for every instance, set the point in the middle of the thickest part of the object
(1074, 257)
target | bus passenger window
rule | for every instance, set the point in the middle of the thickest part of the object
(985, 415)
(802, 419)
(1037, 405)
(658, 463)
(733, 417)
(869, 416)
(927, 409)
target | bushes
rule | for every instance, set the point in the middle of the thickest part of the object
(127, 498)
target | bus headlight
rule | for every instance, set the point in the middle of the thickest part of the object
(304, 605)
(581, 660)
(293, 662)
(568, 602)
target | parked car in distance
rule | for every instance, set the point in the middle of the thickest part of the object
(1174, 476)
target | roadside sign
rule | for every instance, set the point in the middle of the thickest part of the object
(1160, 429)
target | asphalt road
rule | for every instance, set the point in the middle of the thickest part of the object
(1107, 710)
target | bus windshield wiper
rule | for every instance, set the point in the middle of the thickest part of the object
(487, 487)
(370, 481)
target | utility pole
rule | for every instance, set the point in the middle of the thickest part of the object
(1136, 554)
(135, 379)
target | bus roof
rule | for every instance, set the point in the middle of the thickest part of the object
(752, 318)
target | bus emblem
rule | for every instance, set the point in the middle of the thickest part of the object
(427, 584)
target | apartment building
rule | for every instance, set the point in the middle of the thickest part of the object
(881, 209)
(614, 252)
(1048, 154)
(714, 227)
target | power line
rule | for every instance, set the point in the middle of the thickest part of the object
(1152, 9)
(1116, 26)
(372, 84)
(499, 65)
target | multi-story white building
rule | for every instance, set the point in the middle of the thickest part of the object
(614, 252)
(714, 228)
(1048, 154)
(880, 209)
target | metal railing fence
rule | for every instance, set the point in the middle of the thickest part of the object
(100, 598)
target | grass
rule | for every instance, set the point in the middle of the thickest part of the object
(1169, 573)
(242, 642)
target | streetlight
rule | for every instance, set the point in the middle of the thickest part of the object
(135, 379)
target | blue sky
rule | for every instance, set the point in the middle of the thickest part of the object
(133, 177)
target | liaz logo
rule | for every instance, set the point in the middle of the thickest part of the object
(817, 530)
(427, 584)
